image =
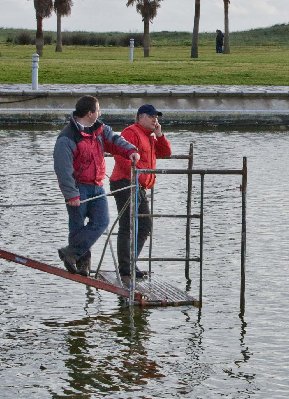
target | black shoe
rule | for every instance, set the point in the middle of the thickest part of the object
(83, 264)
(138, 273)
(68, 259)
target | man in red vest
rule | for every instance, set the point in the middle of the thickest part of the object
(146, 135)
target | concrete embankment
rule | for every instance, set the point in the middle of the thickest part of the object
(181, 105)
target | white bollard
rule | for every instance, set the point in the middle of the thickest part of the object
(131, 49)
(35, 66)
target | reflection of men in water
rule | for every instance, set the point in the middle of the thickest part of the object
(219, 41)
(105, 354)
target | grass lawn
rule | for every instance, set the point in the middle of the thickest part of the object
(246, 65)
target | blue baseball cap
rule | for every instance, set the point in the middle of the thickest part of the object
(149, 110)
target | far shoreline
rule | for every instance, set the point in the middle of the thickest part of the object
(192, 105)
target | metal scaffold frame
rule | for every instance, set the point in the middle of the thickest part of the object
(190, 171)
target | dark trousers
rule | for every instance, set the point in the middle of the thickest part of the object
(219, 48)
(144, 223)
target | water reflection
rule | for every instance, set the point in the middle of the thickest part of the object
(106, 353)
(235, 372)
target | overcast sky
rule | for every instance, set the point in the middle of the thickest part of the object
(174, 15)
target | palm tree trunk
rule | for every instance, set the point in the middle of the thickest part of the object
(58, 47)
(226, 33)
(39, 40)
(195, 37)
(146, 37)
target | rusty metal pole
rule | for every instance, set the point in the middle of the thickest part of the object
(152, 229)
(189, 210)
(133, 193)
(201, 240)
(243, 237)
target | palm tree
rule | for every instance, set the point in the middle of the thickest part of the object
(62, 8)
(43, 9)
(148, 10)
(226, 33)
(195, 37)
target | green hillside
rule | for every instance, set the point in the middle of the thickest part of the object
(276, 35)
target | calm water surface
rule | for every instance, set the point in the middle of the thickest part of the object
(60, 339)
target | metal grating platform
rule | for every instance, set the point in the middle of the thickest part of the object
(151, 291)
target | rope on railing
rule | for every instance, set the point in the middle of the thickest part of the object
(61, 203)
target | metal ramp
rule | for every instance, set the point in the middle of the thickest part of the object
(147, 293)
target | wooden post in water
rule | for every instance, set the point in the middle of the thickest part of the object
(243, 237)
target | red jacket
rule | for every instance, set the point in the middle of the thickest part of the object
(149, 148)
(79, 155)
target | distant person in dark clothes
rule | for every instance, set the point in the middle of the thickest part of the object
(219, 41)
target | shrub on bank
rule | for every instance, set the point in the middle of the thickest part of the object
(101, 39)
(26, 37)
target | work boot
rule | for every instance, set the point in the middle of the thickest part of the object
(68, 259)
(84, 264)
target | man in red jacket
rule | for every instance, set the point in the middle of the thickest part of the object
(80, 168)
(146, 135)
